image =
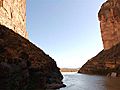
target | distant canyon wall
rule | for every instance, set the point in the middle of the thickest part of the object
(13, 15)
(109, 17)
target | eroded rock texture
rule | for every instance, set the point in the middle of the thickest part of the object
(108, 60)
(13, 15)
(109, 16)
(23, 66)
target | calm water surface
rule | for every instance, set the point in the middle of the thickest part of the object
(76, 81)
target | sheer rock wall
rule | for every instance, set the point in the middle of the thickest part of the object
(13, 15)
(109, 17)
(108, 60)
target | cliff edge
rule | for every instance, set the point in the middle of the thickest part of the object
(108, 60)
(24, 66)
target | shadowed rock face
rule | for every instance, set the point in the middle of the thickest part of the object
(109, 16)
(108, 60)
(23, 66)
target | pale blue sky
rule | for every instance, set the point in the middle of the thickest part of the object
(67, 30)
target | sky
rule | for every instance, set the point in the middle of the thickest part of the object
(67, 30)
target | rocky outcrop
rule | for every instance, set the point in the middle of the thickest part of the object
(23, 66)
(13, 15)
(108, 60)
(109, 16)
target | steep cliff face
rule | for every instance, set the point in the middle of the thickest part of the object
(23, 66)
(109, 16)
(13, 15)
(108, 60)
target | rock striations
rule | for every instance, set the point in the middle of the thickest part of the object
(109, 16)
(108, 60)
(23, 66)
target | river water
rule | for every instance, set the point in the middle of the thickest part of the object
(75, 81)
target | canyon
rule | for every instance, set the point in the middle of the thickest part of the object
(24, 66)
(108, 60)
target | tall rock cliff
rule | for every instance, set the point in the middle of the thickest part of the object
(109, 16)
(108, 60)
(23, 66)
(13, 15)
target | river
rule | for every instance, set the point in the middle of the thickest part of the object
(75, 81)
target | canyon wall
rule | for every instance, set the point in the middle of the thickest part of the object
(109, 17)
(23, 66)
(108, 60)
(13, 15)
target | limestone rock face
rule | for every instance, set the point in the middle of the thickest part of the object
(108, 60)
(23, 66)
(109, 16)
(13, 15)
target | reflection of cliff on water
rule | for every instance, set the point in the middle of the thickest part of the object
(76, 81)
(112, 83)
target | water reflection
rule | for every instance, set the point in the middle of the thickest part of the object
(76, 81)
(112, 83)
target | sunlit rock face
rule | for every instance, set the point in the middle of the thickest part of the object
(13, 15)
(109, 17)
(108, 60)
(104, 63)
